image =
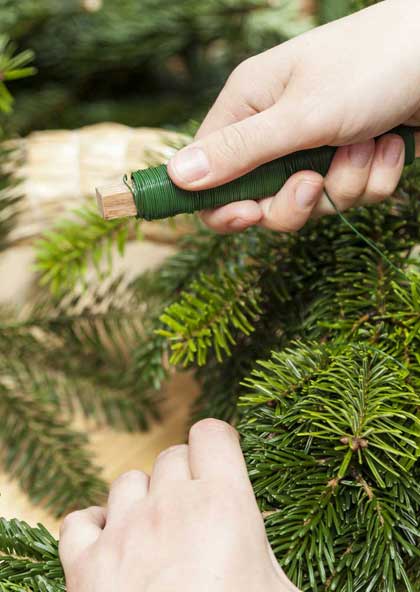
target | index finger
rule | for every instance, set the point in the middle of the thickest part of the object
(253, 86)
(215, 453)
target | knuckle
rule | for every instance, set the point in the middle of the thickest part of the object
(69, 520)
(289, 227)
(233, 142)
(239, 75)
(378, 192)
(346, 196)
(129, 477)
(212, 425)
(172, 450)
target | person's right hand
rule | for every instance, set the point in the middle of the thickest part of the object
(194, 525)
(341, 84)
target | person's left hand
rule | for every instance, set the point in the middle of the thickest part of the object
(194, 525)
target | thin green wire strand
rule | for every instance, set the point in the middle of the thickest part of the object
(364, 238)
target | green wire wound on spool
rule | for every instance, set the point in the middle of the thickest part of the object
(156, 196)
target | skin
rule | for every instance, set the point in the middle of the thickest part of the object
(193, 525)
(341, 84)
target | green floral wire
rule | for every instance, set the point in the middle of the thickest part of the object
(364, 238)
(156, 196)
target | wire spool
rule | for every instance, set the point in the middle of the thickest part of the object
(156, 196)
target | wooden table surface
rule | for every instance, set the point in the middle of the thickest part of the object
(115, 452)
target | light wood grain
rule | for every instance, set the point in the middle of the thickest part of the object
(115, 201)
(115, 452)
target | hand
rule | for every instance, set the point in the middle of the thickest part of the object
(194, 525)
(341, 84)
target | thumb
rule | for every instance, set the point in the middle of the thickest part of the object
(238, 148)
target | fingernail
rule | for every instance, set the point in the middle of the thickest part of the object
(190, 164)
(360, 154)
(307, 194)
(238, 224)
(392, 151)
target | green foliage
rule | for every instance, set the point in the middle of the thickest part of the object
(330, 10)
(345, 412)
(331, 435)
(35, 443)
(167, 59)
(65, 359)
(207, 315)
(28, 559)
(329, 417)
(12, 67)
(65, 252)
(334, 9)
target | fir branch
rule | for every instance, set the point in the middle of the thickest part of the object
(63, 254)
(12, 67)
(218, 389)
(29, 559)
(330, 435)
(77, 354)
(49, 460)
(202, 249)
(10, 197)
(209, 313)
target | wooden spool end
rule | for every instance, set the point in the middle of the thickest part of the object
(115, 201)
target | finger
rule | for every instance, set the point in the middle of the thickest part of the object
(171, 465)
(347, 177)
(251, 88)
(125, 495)
(78, 531)
(234, 217)
(231, 105)
(289, 586)
(414, 119)
(386, 169)
(215, 453)
(290, 209)
(232, 151)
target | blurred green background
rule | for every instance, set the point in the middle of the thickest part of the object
(141, 62)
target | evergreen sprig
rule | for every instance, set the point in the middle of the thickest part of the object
(331, 435)
(29, 559)
(65, 252)
(50, 460)
(10, 196)
(13, 66)
(209, 313)
(64, 359)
